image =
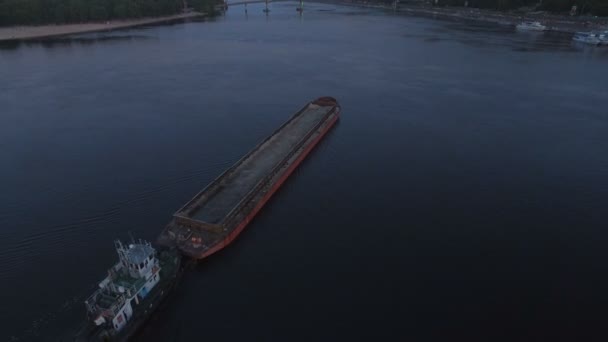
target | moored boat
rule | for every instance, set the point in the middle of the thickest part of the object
(531, 26)
(134, 287)
(603, 37)
(591, 38)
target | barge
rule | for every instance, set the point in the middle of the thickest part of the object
(215, 216)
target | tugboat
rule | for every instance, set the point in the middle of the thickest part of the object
(132, 290)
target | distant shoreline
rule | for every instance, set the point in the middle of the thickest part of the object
(558, 23)
(554, 22)
(18, 33)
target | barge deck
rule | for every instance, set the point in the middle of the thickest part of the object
(217, 214)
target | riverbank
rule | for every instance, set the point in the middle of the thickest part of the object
(46, 31)
(554, 22)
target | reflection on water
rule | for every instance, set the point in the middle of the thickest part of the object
(493, 36)
(88, 39)
(96, 37)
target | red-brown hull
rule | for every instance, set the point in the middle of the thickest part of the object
(242, 224)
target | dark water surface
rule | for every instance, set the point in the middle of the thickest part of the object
(462, 196)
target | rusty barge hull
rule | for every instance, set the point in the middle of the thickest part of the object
(219, 213)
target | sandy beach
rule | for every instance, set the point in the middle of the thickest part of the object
(45, 31)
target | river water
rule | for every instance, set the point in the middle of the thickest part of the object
(462, 195)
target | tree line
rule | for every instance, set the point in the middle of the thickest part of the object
(593, 7)
(36, 12)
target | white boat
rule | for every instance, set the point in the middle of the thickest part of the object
(591, 38)
(603, 36)
(531, 26)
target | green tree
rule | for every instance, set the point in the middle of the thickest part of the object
(78, 11)
(557, 5)
(26, 12)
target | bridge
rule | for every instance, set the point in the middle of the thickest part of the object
(235, 3)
